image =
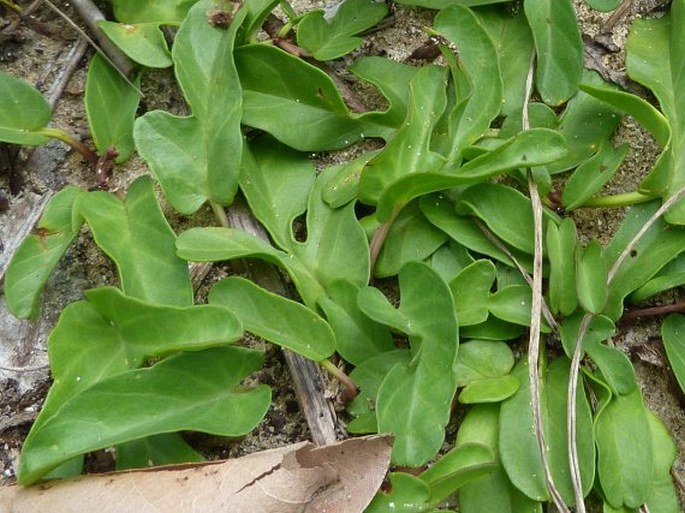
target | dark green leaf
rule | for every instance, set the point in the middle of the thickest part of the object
(344, 184)
(135, 234)
(329, 38)
(603, 5)
(164, 449)
(670, 276)
(38, 254)
(167, 397)
(274, 318)
(492, 329)
(558, 46)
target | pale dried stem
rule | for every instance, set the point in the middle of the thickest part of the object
(536, 315)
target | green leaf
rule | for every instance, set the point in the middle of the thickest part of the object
(197, 158)
(111, 104)
(672, 335)
(328, 38)
(168, 11)
(592, 174)
(38, 254)
(358, 338)
(479, 359)
(144, 43)
(561, 248)
(409, 150)
(440, 212)
(23, 112)
(519, 448)
(169, 396)
(164, 449)
(663, 497)
(591, 278)
(670, 276)
(368, 376)
(414, 400)
(344, 184)
(603, 5)
(411, 237)
(294, 101)
(441, 4)
(471, 291)
(656, 59)
(506, 211)
(392, 79)
(135, 234)
(512, 304)
(585, 123)
(658, 246)
(458, 467)
(530, 148)
(470, 119)
(513, 43)
(274, 318)
(449, 260)
(489, 390)
(408, 494)
(492, 492)
(276, 182)
(625, 475)
(558, 46)
(493, 329)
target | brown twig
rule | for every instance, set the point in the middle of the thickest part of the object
(653, 311)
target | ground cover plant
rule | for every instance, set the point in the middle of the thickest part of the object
(456, 207)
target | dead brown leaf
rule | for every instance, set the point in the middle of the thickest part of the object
(338, 478)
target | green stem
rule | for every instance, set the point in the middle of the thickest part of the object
(379, 237)
(617, 200)
(288, 10)
(350, 387)
(12, 6)
(75, 144)
(220, 214)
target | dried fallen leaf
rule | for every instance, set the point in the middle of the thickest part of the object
(302, 477)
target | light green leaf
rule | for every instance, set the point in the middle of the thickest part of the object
(489, 390)
(408, 151)
(591, 278)
(23, 112)
(561, 249)
(294, 101)
(414, 400)
(663, 497)
(169, 396)
(408, 494)
(603, 5)
(519, 448)
(478, 359)
(135, 234)
(164, 449)
(411, 237)
(38, 254)
(673, 334)
(358, 338)
(343, 186)
(197, 158)
(670, 276)
(276, 182)
(274, 318)
(471, 291)
(471, 117)
(168, 11)
(625, 475)
(558, 46)
(512, 304)
(144, 43)
(328, 38)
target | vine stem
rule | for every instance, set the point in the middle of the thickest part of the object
(74, 143)
(536, 315)
(571, 426)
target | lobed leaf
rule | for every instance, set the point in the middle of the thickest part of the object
(135, 234)
(39, 253)
(471, 291)
(169, 396)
